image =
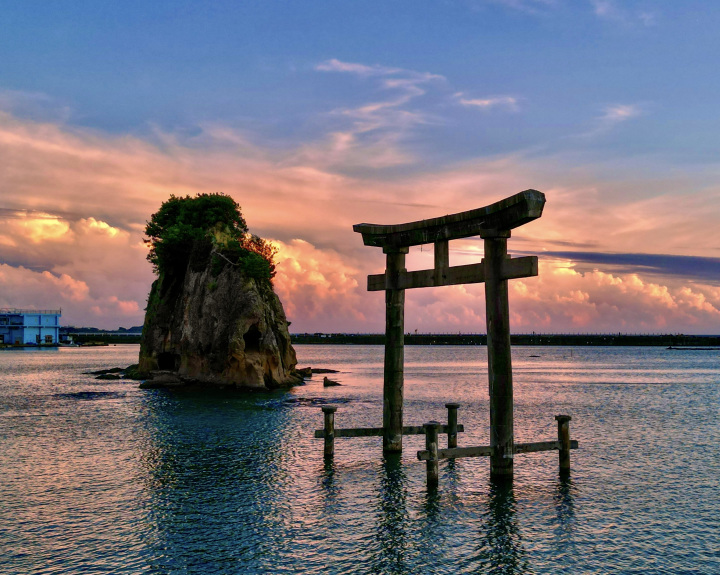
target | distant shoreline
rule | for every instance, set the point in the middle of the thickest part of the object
(668, 340)
(664, 340)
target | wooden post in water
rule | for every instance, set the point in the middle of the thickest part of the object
(452, 424)
(329, 411)
(499, 360)
(431, 444)
(564, 439)
(394, 351)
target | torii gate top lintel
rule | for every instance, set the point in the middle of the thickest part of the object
(493, 221)
(504, 215)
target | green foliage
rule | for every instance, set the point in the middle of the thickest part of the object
(180, 222)
(254, 258)
(255, 266)
(183, 230)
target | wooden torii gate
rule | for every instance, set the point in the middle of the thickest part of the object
(492, 223)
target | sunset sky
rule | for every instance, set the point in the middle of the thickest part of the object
(318, 115)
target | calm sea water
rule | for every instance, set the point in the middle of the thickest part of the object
(101, 477)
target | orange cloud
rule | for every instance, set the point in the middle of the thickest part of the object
(320, 292)
(75, 203)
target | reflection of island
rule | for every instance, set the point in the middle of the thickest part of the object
(216, 501)
(501, 549)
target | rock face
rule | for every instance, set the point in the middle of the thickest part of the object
(217, 328)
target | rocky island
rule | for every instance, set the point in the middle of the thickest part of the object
(212, 317)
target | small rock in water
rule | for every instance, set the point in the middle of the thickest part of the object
(160, 384)
(304, 372)
(90, 395)
(133, 372)
(314, 401)
(324, 370)
(329, 382)
(108, 376)
(104, 371)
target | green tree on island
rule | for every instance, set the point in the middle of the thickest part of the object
(187, 230)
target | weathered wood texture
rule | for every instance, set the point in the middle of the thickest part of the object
(442, 264)
(468, 274)
(452, 426)
(506, 214)
(486, 450)
(565, 443)
(499, 359)
(393, 379)
(431, 446)
(329, 432)
(378, 431)
(457, 452)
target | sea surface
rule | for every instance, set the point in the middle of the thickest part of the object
(102, 477)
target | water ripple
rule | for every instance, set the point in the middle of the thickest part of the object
(101, 477)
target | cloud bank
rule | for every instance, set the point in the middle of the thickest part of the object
(75, 201)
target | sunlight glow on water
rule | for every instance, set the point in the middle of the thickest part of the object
(101, 477)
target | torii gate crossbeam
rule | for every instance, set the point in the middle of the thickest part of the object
(493, 223)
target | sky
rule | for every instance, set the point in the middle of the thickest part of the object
(317, 115)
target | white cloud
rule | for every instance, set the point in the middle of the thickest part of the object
(509, 102)
(528, 6)
(334, 65)
(612, 10)
(620, 113)
(376, 129)
(613, 116)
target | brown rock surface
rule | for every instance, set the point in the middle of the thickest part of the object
(221, 329)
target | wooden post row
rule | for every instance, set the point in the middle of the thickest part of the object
(433, 454)
(329, 433)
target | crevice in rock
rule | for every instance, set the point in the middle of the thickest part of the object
(168, 361)
(252, 338)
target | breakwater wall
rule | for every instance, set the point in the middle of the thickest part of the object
(667, 340)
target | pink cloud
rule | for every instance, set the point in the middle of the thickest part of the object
(75, 202)
(319, 290)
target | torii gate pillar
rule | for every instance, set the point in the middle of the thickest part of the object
(497, 317)
(393, 380)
